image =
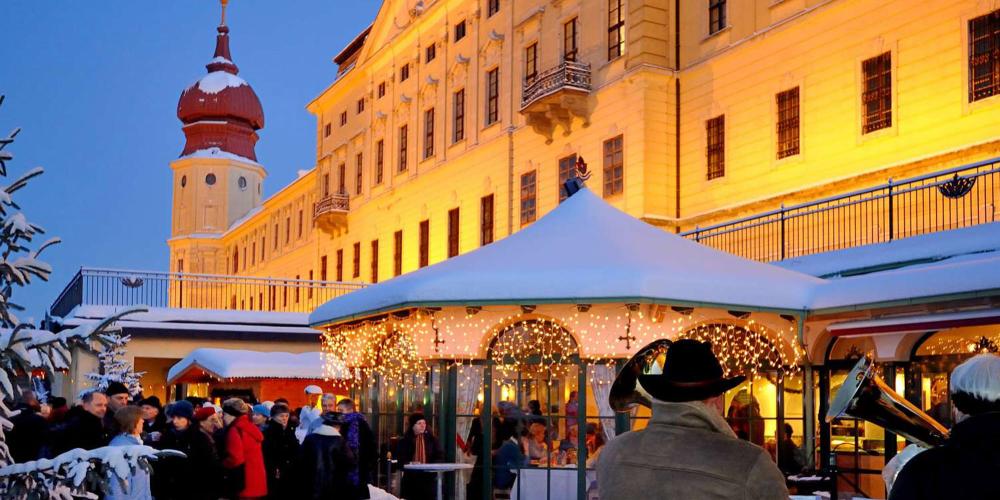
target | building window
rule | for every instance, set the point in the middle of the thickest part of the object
(343, 118)
(356, 264)
(300, 223)
(326, 130)
(340, 264)
(715, 149)
(567, 165)
(288, 230)
(452, 232)
(263, 246)
(374, 261)
(322, 268)
(397, 253)
(379, 160)
(342, 179)
(616, 29)
(359, 162)
(275, 236)
(429, 133)
(404, 72)
(877, 95)
(381, 90)
(253, 254)
(569, 40)
(402, 148)
(492, 7)
(614, 166)
(492, 96)
(486, 220)
(459, 113)
(298, 277)
(528, 198)
(788, 123)
(236, 260)
(716, 15)
(460, 30)
(361, 105)
(425, 242)
(431, 52)
(984, 56)
(326, 185)
(531, 62)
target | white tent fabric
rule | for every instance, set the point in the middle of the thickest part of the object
(584, 251)
(233, 363)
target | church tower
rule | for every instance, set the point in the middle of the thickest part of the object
(216, 179)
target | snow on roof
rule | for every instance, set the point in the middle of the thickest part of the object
(232, 363)
(217, 81)
(584, 251)
(215, 152)
(899, 253)
(974, 274)
(220, 59)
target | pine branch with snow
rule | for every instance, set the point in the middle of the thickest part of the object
(113, 366)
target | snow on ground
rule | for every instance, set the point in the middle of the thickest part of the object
(233, 363)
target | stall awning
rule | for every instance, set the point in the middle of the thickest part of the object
(922, 323)
(207, 363)
(584, 251)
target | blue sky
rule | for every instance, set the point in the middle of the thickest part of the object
(94, 87)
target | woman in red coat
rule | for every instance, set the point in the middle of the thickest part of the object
(242, 450)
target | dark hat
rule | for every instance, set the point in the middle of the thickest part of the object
(151, 401)
(333, 418)
(235, 407)
(279, 409)
(116, 388)
(691, 372)
(181, 409)
(204, 413)
(414, 418)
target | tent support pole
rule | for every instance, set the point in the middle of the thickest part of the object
(808, 405)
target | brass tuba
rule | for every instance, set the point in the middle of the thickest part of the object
(866, 396)
(626, 392)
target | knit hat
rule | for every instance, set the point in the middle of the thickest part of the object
(116, 388)
(259, 409)
(414, 418)
(181, 408)
(279, 409)
(975, 385)
(151, 401)
(204, 413)
(235, 407)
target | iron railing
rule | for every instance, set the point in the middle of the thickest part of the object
(949, 199)
(109, 287)
(337, 202)
(567, 75)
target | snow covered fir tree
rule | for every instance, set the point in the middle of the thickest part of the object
(113, 366)
(27, 351)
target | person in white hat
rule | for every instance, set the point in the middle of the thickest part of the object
(967, 465)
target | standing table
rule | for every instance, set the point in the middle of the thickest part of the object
(439, 469)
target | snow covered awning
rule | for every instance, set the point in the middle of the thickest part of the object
(239, 364)
(919, 323)
(584, 251)
(179, 322)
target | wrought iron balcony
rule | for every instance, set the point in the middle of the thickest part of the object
(557, 95)
(331, 212)
(949, 199)
(109, 287)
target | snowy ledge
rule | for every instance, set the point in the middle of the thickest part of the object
(218, 153)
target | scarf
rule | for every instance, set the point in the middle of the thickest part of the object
(420, 455)
(353, 424)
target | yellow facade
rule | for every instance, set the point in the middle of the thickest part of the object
(658, 106)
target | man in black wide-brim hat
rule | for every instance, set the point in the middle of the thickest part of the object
(688, 449)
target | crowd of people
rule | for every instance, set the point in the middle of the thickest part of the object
(233, 450)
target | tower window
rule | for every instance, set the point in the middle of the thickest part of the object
(184, 180)
(210, 179)
(242, 183)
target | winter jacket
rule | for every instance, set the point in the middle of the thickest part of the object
(158, 424)
(136, 487)
(967, 465)
(367, 453)
(81, 429)
(28, 436)
(418, 485)
(173, 476)
(243, 447)
(322, 466)
(281, 448)
(687, 451)
(509, 458)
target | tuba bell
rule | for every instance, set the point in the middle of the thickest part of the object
(866, 396)
(626, 393)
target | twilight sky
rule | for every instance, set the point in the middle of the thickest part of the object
(94, 87)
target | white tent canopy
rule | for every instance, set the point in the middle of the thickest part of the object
(584, 251)
(233, 363)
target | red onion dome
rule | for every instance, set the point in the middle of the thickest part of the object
(221, 110)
